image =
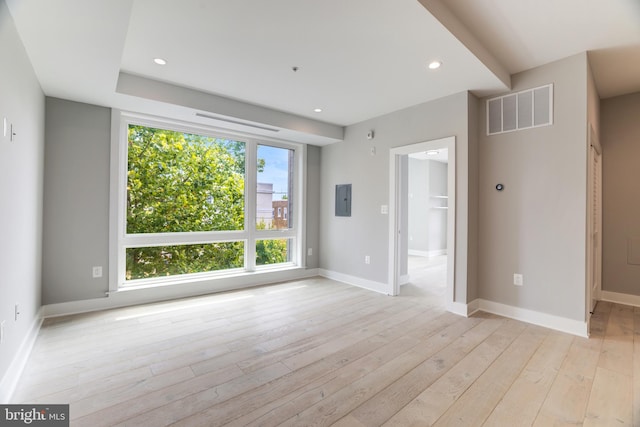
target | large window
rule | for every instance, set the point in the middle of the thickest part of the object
(195, 202)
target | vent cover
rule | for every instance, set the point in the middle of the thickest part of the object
(521, 110)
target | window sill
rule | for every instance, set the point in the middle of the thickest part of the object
(213, 279)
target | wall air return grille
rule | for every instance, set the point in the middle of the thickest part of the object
(521, 110)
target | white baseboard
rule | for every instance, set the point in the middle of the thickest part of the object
(550, 321)
(546, 320)
(459, 308)
(427, 254)
(626, 299)
(562, 324)
(147, 295)
(463, 309)
(10, 380)
(355, 281)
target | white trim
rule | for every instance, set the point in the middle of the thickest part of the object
(619, 298)
(404, 279)
(301, 171)
(136, 296)
(354, 281)
(593, 230)
(11, 378)
(563, 324)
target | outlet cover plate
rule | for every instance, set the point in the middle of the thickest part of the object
(518, 279)
(97, 272)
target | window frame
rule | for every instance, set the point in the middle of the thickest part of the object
(120, 240)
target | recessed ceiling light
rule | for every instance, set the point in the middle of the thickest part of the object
(318, 110)
(432, 152)
(160, 61)
(435, 65)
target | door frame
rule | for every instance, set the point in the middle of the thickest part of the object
(395, 212)
(594, 225)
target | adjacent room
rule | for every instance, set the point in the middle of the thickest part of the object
(356, 213)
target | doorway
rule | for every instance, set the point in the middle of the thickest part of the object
(415, 254)
(426, 211)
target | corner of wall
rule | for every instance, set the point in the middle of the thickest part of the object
(21, 165)
(474, 198)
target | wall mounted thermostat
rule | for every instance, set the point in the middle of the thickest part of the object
(499, 187)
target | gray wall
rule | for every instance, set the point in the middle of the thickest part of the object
(313, 205)
(437, 219)
(537, 225)
(76, 201)
(620, 139)
(344, 241)
(22, 103)
(427, 225)
(418, 206)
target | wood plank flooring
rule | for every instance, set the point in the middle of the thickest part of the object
(318, 352)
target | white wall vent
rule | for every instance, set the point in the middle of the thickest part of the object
(521, 110)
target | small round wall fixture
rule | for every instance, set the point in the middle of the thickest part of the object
(499, 187)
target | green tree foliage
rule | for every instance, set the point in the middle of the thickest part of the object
(179, 182)
(270, 251)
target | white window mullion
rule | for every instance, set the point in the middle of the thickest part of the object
(300, 191)
(186, 238)
(250, 192)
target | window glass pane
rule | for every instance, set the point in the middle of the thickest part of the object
(164, 261)
(274, 251)
(179, 182)
(275, 188)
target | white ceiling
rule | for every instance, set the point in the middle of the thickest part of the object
(526, 34)
(356, 59)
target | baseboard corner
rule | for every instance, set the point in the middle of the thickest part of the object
(9, 381)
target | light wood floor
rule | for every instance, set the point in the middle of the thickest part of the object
(317, 352)
(427, 277)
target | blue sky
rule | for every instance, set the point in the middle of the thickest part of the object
(276, 169)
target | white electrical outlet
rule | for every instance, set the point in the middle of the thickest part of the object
(384, 209)
(310, 252)
(517, 279)
(17, 311)
(97, 272)
(2, 332)
(367, 259)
